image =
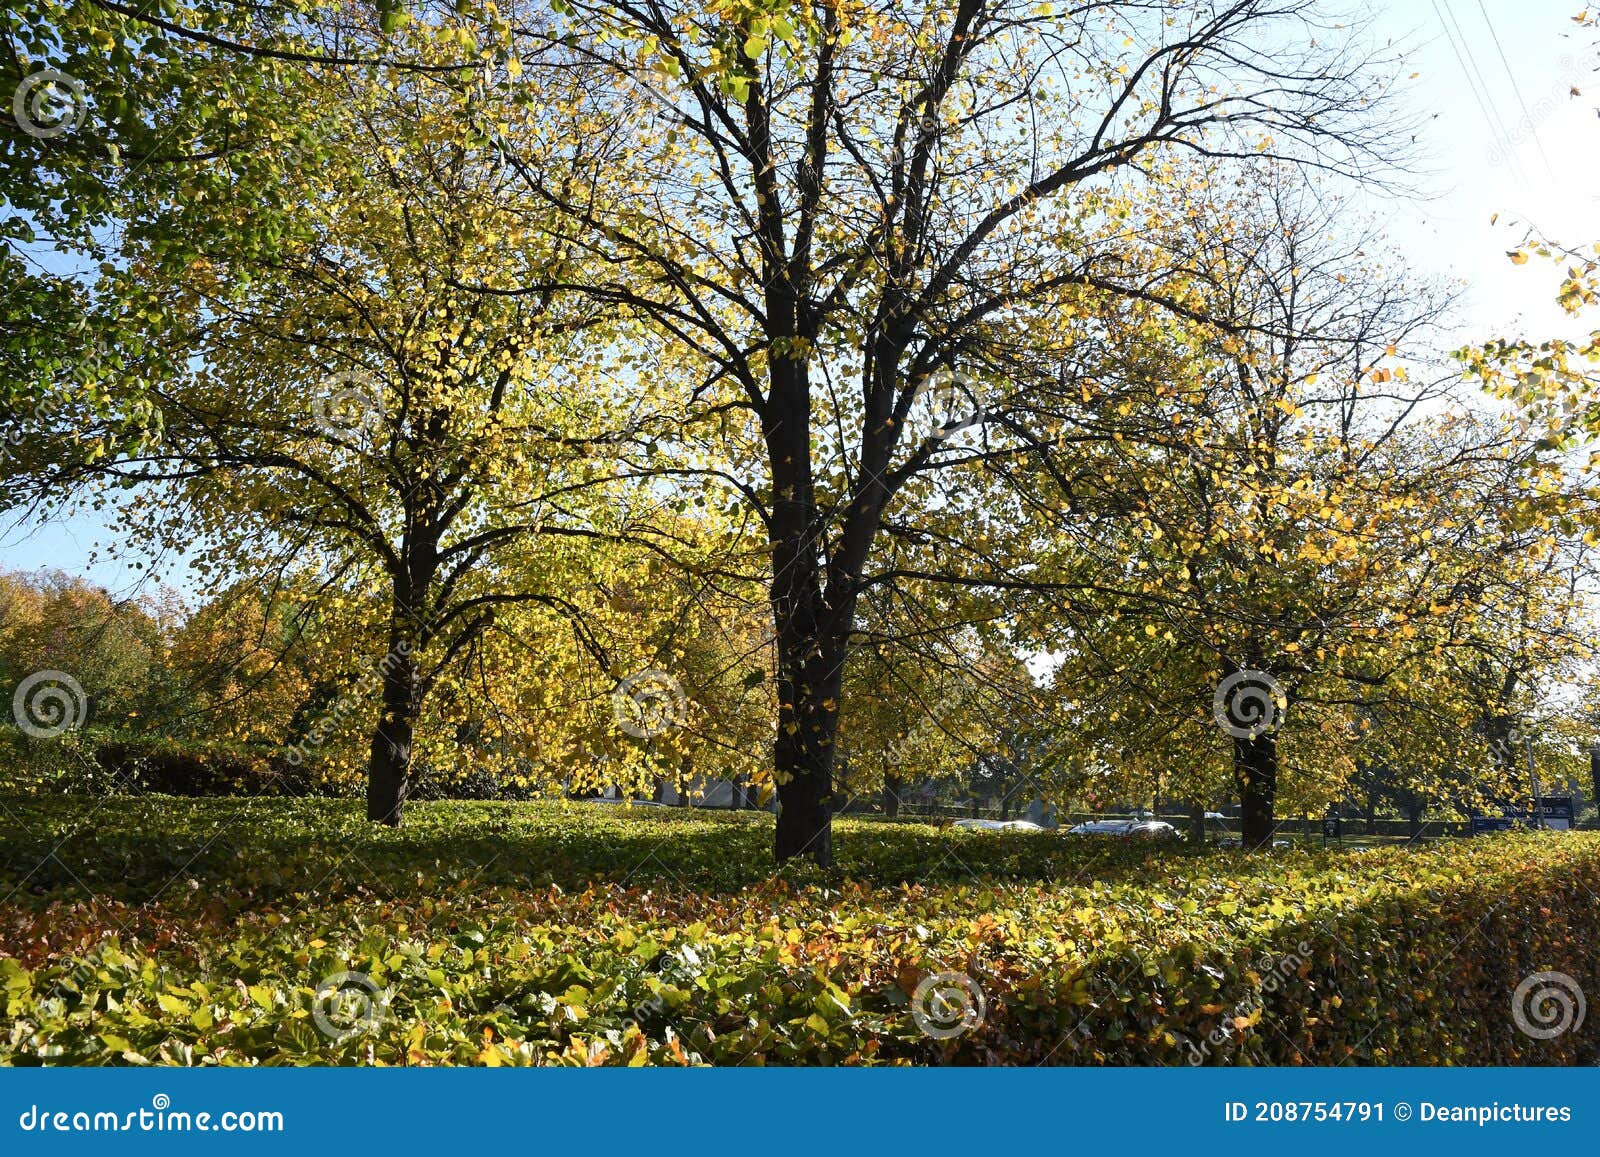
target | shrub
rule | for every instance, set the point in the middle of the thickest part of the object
(187, 768)
(201, 932)
(106, 763)
(102, 763)
(478, 781)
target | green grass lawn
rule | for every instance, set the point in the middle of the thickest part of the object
(138, 847)
(161, 930)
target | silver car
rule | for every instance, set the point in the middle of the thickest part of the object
(1126, 829)
(998, 825)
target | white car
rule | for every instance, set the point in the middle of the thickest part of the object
(1126, 829)
(998, 825)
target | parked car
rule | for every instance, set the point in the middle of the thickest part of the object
(1126, 829)
(998, 825)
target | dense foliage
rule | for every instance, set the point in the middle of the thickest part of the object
(177, 932)
(484, 359)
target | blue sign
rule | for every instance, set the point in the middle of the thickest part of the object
(1555, 814)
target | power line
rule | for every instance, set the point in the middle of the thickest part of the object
(1483, 83)
(1527, 117)
(1475, 83)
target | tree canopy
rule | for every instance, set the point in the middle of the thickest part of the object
(824, 394)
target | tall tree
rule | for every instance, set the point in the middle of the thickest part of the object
(356, 404)
(832, 202)
(1302, 553)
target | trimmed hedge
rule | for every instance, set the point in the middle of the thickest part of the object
(1083, 954)
(97, 762)
(100, 763)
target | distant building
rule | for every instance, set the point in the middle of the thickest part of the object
(704, 792)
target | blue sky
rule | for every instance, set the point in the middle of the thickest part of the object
(1500, 134)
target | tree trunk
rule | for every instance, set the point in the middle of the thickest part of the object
(389, 771)
(808, 721)
(804, 818)
(1197, 824)
(891, 796)
(1594, 772)
(803, 753)
(1255, 766)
